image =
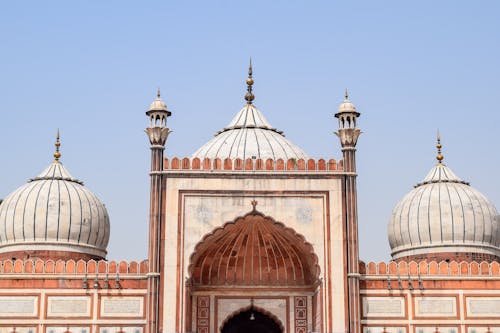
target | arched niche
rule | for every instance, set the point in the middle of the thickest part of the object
(254, 250)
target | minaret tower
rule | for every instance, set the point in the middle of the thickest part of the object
(158, 133)
(348, 134)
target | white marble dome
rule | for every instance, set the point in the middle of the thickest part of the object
(444, 214)
(54, 212)
(249, 135)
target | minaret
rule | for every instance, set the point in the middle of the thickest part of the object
(348, 134)
(158, 133)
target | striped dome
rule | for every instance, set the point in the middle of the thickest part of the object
(444, 214)
(249, 135)
(54, 213)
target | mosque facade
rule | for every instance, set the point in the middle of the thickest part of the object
(249, 234)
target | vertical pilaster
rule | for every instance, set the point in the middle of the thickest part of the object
(158, 134)
(348, 134)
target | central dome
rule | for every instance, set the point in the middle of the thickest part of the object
(249, 135)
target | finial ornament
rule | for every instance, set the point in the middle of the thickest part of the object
(346, 95)
(254, 205)
(249, 96)
(439, 156)
(158, 94)
(57, 154)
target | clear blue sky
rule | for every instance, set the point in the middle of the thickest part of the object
(91, 68)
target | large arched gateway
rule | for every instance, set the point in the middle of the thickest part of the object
(252, 259)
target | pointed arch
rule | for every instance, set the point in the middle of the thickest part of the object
(254, 250)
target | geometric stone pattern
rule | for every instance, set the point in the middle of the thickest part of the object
(300, 314)
(203, 314)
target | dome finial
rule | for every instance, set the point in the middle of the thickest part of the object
(249, 96)
(158, 94)
(346, 94)
(57, 154)
(439, 156)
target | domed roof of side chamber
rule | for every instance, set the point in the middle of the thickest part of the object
(53, 216)
(444, 218)
(250, 135)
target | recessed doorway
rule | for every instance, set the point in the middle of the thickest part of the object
(251, 321)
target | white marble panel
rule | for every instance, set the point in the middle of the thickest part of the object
(381, 329)
(10, 329)
(67, 329)
(375, 306)
(122, 306)
(435, 306)
(483, 329)
(440, 329)
(121, 329)
(483, 306)
(68, 306)
(18, 306)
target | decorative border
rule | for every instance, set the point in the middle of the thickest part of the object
(300, 314)
(182, 194)
(203, 314)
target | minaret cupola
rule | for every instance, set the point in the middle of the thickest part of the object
(158, 114)
(347, 114)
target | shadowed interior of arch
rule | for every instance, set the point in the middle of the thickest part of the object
(250, 321)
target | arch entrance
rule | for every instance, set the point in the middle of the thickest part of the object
(253, 258)
(251, 321)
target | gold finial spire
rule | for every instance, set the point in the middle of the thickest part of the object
(439, 156)
(249, 96)
(57, 154)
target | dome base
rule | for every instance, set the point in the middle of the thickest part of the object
(449, 256)
(48, 255)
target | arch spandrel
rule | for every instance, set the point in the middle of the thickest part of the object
(254, 250)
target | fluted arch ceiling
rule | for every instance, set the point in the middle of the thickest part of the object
(254, 250)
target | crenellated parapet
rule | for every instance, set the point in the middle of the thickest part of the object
(249, 164)
(432, 268)
(63, 267)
